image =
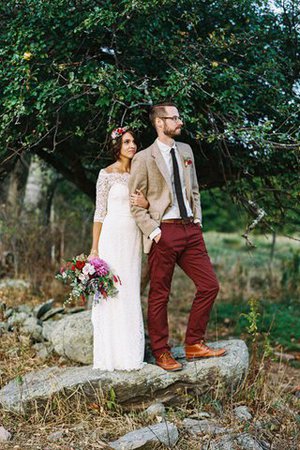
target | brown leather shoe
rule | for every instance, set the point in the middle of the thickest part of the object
(201, 350)
(167, 362)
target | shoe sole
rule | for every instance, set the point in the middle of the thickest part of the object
(195, 358)
(170, 370)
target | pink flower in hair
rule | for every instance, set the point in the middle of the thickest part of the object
(117, 132)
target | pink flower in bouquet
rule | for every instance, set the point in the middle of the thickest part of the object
(101, 266)
(88, 269)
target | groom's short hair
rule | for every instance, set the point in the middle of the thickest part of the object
(159, 110)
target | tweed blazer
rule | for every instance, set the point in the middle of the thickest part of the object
(150, 174)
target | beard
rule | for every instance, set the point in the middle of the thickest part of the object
(172, 133)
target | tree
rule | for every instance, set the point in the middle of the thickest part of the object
(72, 70)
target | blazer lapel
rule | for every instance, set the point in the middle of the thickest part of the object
(186, 171)
(160, 162)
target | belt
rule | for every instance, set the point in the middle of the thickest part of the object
(182, 221)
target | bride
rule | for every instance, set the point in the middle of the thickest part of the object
(118, 322)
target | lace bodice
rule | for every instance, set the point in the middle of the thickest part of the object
(104, 183)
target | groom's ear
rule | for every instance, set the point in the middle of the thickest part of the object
(158, 123)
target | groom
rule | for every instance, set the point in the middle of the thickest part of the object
(165, 173)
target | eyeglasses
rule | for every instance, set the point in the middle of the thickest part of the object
(174, 118)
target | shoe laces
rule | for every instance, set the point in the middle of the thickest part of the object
(204, 344)
(165, 355)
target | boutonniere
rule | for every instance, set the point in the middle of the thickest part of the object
(187, 161)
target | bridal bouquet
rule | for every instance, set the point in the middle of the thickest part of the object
(88, 277)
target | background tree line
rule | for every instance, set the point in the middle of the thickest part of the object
(72, 70)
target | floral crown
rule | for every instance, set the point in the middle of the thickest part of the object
(118, 132)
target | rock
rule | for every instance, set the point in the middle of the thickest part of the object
(25, 309)
(30, 326)
(17, 318)
(56, 436)
(51, 313)
(73, 337)
(156, 409)
(165, 433)
(224, 443)
(199, 427)
(43, 350)
(15, 284)
(48, 329)
(40, 310)
(131, 388)
(242, 413)
(3, 326)
(247, 442)
(8, 312)
(4, 435)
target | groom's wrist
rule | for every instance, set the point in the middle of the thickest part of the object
(154, 233)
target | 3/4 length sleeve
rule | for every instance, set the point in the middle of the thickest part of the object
(102, 189)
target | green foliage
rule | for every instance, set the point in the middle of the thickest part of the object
(220, 213)
(111, 402)
(70, 71)
(252, 318)
(280, 322)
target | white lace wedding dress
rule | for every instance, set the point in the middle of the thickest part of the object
(118, 322)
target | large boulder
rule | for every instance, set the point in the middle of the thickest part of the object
(72, 336)
(131, 388)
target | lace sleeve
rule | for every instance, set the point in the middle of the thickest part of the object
(102, 189)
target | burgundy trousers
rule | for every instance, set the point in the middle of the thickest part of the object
(184, 245)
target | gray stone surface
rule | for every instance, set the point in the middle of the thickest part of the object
(222, 443)
(48, 329)
(199, 427)
(14, 283)
(25, 308)
(43, 349)
(132, 388)
(73, 337)
(247, 442)
(31, 327)
(156, 409)
(3, 326)
(8, 312)
(4, 435)
(17, 318)
(242, 413)
(56, 436)
(165, 433)
(243, 441)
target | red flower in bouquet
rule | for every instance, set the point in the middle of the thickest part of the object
(80, 265)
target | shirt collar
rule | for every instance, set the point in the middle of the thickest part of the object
(165, 148)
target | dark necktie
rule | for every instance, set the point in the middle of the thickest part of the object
(178, 187)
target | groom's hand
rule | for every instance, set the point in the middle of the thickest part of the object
(157, 238)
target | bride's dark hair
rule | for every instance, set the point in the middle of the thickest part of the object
(115, 144)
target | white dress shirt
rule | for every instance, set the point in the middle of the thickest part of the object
(173, 212)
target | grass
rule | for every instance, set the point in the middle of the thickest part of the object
(267, 391)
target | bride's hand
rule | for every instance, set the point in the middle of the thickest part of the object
(139, 199)
(93, 254)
